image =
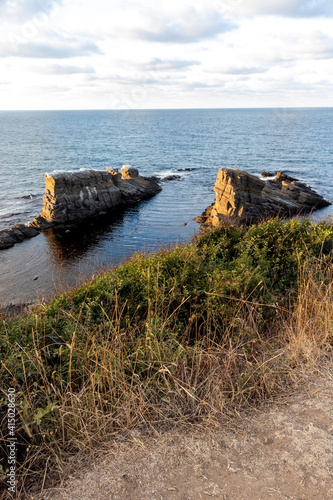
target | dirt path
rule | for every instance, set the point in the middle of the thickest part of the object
(283, 451)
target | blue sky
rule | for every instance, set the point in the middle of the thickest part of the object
(128, 54)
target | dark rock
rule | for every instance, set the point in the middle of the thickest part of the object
(244, 198)
(171, 178)
(5, 243)
(41, 224)
(185, 169)
(17, 234)
(7, 239)
(268, 174)
(280, 176)
(28, 231)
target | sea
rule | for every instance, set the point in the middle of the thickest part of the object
(192, 144)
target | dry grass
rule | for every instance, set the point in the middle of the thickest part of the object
(92, 368)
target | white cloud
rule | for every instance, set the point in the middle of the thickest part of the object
(194, 53)
(58, 69)
(237, 70)
(59, 49)
(192, 25)
(170, 65)
(288, 8)
(20, 11)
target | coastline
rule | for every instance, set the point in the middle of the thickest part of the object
(195, 332)
(66, 257)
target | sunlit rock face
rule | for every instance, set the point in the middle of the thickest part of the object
(72, 196)
(245, 198)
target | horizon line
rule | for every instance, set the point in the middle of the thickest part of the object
(167, 109)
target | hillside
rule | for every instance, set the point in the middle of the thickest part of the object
(188, 335)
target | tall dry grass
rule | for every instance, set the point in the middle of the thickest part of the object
(194, 360)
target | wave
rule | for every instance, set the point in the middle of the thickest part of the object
(29, 196)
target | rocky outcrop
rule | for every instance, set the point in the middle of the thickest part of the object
(244, 198)
(74, 196)
(18, 233)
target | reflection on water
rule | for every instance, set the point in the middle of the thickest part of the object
(69, 243)
(298, 142)
(64, 257)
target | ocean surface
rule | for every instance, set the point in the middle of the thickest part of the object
(191, 143)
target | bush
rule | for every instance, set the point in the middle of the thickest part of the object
(177, 335)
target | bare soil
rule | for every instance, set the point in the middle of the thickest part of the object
(284, 450)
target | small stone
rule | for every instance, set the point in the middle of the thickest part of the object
(268, 174)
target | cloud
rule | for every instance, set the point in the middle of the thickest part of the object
(287, 8)
(58, 69)
(238, 70)
(296, 47)
(158, 64)
(23, 10)
(56, 50)
(191, 26)
(137, 80)
(319, 46)
(191, 86)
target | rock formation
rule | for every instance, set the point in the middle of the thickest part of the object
(18, 233)
(74, 196)
(247, 199)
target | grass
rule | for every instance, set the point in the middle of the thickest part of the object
(190, 333)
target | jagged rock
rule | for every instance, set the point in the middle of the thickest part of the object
(41, 224)
(284, 177)
(244, 198)
(268, 174)
(128, 172)
(74, 196)
(18, 233)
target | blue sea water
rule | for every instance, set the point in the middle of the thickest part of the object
(296, 141)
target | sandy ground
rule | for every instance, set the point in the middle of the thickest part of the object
(281, 451)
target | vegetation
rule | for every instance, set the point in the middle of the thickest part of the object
(192, 332)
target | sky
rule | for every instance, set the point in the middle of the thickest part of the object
(143, 54)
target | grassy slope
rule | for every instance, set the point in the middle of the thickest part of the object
(192, 331)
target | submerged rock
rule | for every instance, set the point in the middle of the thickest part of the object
(244, 198)
(169, 178)
(18, 233)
